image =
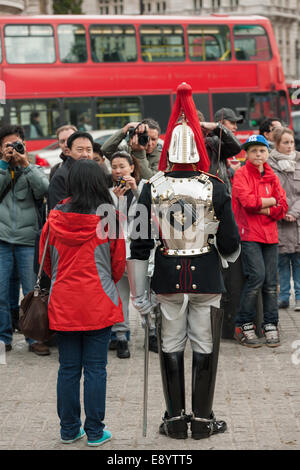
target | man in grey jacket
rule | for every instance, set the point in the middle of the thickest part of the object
(147, 155)
(21, 186)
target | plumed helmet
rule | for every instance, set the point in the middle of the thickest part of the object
(184, 141)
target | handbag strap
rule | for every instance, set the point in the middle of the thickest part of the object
(37, 284)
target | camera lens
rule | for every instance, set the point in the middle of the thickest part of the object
(19, 147)
(143, 139)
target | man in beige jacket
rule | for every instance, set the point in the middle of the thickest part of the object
(148, 155)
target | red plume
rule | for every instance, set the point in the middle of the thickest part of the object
(184, 102)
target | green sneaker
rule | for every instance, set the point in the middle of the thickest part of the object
(80, 435)
(105, 438)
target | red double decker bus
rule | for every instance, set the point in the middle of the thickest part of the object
(99, 72)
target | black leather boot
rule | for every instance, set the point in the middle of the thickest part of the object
(203, 421)
(175, 420)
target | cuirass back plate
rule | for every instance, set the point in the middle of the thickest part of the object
(183, 209)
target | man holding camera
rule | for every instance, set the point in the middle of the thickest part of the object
(143, 143)
(21, 186)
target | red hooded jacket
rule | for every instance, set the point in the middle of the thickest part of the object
(83, 270)
(249, 186)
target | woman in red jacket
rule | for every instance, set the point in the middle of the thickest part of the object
(84, 264)
(258, 201)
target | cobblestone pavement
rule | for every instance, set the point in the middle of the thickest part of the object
(257, 393)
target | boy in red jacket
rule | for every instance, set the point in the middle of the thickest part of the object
(258, 202)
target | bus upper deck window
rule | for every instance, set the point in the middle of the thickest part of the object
(163, 43)
(251, 42)
(29, 44)
(209, 42)
(72, 43)
(113, 43)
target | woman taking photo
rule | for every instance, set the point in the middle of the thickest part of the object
(83, 302)
(285, 161)
(126, 188)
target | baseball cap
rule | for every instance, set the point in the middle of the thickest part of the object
(255, 140)
(227, 113)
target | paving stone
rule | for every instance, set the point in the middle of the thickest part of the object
(257, 393)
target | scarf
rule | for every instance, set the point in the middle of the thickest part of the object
(285, 162)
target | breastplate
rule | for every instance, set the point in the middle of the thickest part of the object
(183, 213)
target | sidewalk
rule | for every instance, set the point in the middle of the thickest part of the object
(257, 393)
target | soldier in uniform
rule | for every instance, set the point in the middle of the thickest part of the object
(191, 223)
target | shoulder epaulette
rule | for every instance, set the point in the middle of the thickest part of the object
(212, 176)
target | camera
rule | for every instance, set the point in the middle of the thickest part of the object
(121, 182)
(18, 147)
(143, 138)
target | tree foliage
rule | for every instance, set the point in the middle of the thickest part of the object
(67, 7)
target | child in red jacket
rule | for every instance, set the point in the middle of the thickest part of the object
(258, 201)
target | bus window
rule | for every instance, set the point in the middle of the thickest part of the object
(29, 44)
(209, 42)
(267, 105)
(113, 43)
(283, 107)
(157, 107)
(163, 43)
(238, 102)
(72, 43)
(0, 49)
(40, 118)
(202, 104)
(77, 111)
(251, 43)
(1, 114)
(114, 113)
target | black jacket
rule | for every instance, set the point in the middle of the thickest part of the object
(58, 184)
(229, 147)
(205, 275)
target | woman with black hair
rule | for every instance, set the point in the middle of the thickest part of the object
(84, 263)
(125, 191)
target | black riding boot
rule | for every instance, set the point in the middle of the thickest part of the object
(172, 370)
(203, 422)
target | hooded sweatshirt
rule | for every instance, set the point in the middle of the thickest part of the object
(83, 269)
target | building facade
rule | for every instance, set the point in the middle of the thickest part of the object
(283, 14)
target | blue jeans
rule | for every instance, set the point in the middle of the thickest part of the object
(14, 289)
(289, 263)
(87, 351)
(260, 269)
(23, 256)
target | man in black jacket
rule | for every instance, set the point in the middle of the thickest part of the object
(221, 143)
(80, 145)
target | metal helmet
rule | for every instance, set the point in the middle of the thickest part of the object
(183, 147)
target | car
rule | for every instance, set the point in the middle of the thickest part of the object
(296, 128)
(49, 156)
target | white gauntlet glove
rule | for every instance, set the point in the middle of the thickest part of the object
(142, 304)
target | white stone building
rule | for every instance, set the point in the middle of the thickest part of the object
(284, 15)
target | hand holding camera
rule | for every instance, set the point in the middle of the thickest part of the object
(15, 154)
(138, 135)
(123, 184)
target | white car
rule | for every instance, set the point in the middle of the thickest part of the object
(49, 156)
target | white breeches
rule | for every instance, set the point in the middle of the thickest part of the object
(187, 316)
